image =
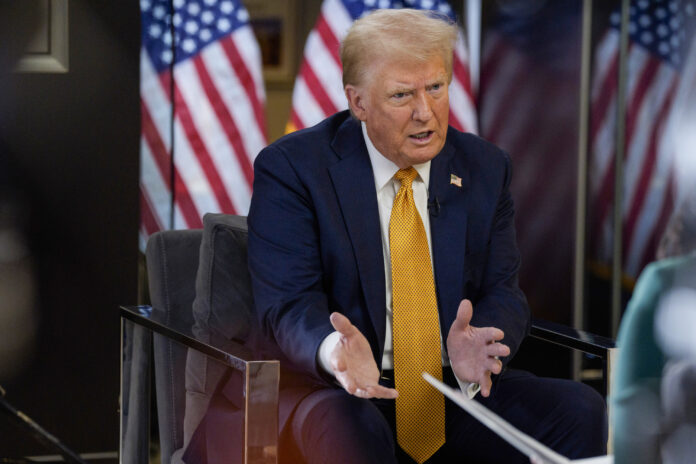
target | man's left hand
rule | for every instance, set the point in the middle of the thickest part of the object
(474, 351)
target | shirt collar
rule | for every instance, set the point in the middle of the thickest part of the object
(384, 169)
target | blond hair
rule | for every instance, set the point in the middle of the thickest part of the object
(405, 34)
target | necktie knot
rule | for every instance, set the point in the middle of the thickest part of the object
(406, 176)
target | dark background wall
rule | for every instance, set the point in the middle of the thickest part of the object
(71, 144)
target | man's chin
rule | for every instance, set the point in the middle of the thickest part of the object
(424, 154)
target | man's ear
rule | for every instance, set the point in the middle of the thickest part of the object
(356, 101)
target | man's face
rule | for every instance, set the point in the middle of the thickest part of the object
(405, 106)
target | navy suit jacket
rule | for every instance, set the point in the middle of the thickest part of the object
(315, 244)
(315, 247)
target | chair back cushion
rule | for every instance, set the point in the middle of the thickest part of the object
(221, 310)
(172, 260)
(223, 303)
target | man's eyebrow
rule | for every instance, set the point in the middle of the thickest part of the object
(438, 79)
(401, 89)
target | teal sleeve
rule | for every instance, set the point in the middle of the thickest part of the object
(635, 395)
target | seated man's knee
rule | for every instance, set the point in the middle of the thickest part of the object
(591, 408)
(340, 428)
(589, 418)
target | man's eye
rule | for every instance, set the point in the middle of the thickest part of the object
(435, 87)
(399, 95)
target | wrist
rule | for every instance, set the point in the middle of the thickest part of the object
(327, 347)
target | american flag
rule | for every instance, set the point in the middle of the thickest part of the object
(660, 33)
(528, 106)
(202, 100)
(318, 91)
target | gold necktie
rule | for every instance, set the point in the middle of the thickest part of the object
(420, 409)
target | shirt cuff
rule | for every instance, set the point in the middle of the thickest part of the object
(469, 388)
(325, 349)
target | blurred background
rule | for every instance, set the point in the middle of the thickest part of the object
(118, 119)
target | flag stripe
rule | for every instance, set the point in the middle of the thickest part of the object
(337, 17)
(665, 211)
(462, 106)
(329, 38)
(461, 73)
(147, 217)
(602, 102)
(648, 165)
(639, 144)
(161, 157)
(645, 82)
(155, 187)
(305, 106)
(234, 99)
(226, 120)
(245, 79)
(326, 72)
(213, 136)
(637, 97)
(454, 121)
(187, 166)
(495, 53)
(317, 89)
(201, 153)
(498, 123)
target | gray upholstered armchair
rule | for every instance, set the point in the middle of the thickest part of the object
(201, 302)
(201, 298)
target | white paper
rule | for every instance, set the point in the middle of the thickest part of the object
(537, 452)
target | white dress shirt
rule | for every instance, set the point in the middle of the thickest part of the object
(387, 186)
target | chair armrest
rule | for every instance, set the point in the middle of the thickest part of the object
(580, 340)
(572, 338)
(261, 382)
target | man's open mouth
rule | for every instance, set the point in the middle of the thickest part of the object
(421, 135)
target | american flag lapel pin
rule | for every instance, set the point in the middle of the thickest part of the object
(455, 180)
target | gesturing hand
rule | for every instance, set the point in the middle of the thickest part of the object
(353, 364)
(473, 350)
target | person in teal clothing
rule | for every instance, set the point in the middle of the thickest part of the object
(645, 420)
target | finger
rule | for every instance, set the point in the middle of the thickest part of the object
(347, 382)
(493, 334)
(464, 313)
(485, 384)
(495, 365)
(342, 324)
(497, 349)
(379, 391)
(338, 364)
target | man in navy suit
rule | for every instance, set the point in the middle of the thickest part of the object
(321, 269)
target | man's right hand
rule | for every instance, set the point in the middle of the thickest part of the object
(353, 364)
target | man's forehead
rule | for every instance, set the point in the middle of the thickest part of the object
(399, 80)
(409, 74)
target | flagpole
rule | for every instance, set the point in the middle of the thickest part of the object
(617, 262)
(581, 194)
(472, 15)
(172, 167)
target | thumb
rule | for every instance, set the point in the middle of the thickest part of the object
(342, 324)
(464, 313)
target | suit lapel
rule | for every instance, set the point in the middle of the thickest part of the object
(448, 223)
(354, 184)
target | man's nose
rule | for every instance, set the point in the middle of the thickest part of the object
(422, 110)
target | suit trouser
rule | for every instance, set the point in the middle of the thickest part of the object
(331, 426)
